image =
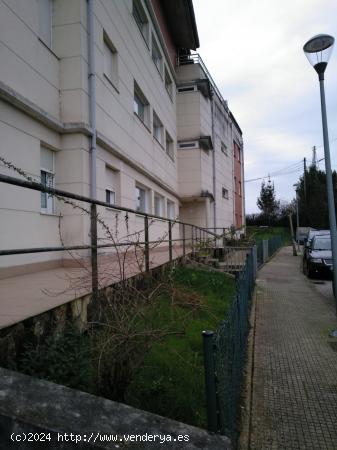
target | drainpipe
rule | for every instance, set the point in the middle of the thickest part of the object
(92, 97)
(243, 192)
(213, 164)
(233, 170)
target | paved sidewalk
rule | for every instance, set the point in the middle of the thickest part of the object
(294, 398)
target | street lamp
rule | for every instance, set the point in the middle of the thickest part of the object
(318, 50)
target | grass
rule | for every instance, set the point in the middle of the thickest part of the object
(171, 380)
(258, 233)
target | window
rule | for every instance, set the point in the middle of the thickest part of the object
(158, 129)
(110, 60)
(111, 184)
(47, 179)
(240, 188)
(169, 146)
(170, 210)
(45, 11)
(192, 144)
(168, 83)
(158, 205)
(224, 148)
(141, 199)
(187, 88)
(237, 151)
(141, 19)
(141, 105)
(235, 187)
(225, 193)
(157, 57)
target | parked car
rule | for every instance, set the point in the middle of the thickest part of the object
(302, 234)
(312, 232)
(318, 260)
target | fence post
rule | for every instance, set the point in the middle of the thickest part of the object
(94, 265)
(223, 237)
(254, 250)
(264, 250)
(192, 231)
(170, 239)
(211, 401)
(146, 237)
(184, 243)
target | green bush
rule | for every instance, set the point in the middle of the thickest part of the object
(63, 359)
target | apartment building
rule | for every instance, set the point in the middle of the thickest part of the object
(93, 101)
(210, 150)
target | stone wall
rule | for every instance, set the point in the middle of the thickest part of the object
(28, 406)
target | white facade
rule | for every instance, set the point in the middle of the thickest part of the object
(206, 133)
(45, 113)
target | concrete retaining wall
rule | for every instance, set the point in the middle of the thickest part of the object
(41, 409)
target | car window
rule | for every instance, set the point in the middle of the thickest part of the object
(321, 244)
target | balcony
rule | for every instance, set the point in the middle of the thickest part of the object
(192, 67)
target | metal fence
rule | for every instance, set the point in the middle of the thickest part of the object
(266, 248)
(190, 237)
(225, 351)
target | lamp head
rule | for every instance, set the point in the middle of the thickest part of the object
(318, 50)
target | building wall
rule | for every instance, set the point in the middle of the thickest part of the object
(223, 165)
(48, 106)
(54, 80)
(238, 185)
(198, 115)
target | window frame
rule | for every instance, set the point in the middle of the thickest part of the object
(224, 148)
(225, 193)
(188, 145)
(169, 204)
(187, 88)
(141, 189)
(45, 197)
(108, 193)
(161, 205)
(112, 77)
(46, 40)
(157, 125)
(169, 145)
(141, 20)
(157, 58)
(143, 102)
(168, 86)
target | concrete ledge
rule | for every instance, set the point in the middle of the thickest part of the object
(29, 405)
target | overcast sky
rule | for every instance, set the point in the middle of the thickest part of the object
(253, 50)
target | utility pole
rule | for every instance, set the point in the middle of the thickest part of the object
(305, 178)
(292, 234)
(314, 157)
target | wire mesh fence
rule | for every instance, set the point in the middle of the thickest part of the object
(225, 350)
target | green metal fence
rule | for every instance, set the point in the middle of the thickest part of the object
(274, 244)
(225, 353)
(266, 248)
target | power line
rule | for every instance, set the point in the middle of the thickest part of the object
(295, 167)
(292, 168)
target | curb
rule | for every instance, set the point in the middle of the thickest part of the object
(245, 425)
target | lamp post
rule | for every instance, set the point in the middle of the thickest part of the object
(318, 50)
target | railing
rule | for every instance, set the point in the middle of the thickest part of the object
(225, 349)
(195, 58)
(191, 235)
(266, 248)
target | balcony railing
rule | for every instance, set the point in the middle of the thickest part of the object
(195, 58)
